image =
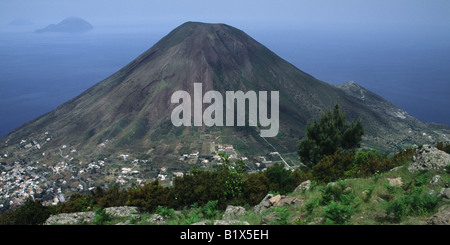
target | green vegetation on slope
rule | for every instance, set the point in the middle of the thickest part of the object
(328, 135)
(348, 187)
(201, 187)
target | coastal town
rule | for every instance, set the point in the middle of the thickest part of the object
(53, 181)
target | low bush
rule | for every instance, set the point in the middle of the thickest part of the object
(337, 213)
(367, 193)
(280, 180)
(31, 212)
(414, 204)
(311, 204)
(167, 213)
(100, 216)
(443, 147)
(148, 197)
(283, 215)
(333, 167)
(210, 210)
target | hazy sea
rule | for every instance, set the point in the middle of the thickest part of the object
(38, 72)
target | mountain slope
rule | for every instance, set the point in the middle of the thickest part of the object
(130, 111)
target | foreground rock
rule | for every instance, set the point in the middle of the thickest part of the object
(70, 218)
(270, 201)
(223, 222)
(395, 181)
(233, 212)
(445, 193)
(429, 158)
(157, 219)
(306, 185)
(125, 211)
(87, 217)
(440, 218)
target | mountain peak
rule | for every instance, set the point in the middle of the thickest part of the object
(128, 115)
(131, 109)
(203, 35)
(201, 51)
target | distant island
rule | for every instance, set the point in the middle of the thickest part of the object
(70, 24)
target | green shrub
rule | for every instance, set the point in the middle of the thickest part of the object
(77, 203)
(328, 135)
(350, 199)
(167, 213)
(234, 177)
(149, 196)
(402, 157)
(29, 213)
(283, 214)
(193, 215)
(330, 193)
(210, 210)
(112, 197)
(412, 204)
(391, 192)
(367, 163)
(312, 204)
(442, 147)
(368, 193)
(422, 179)
(280, 179)
(201, 187)
(333, 167)
(335, 193)
(337, 213)
(100, 216)
(256, 187)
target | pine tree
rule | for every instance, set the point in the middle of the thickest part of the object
(326, 136)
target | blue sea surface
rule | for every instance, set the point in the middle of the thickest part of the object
(409, 68)
(38, 72)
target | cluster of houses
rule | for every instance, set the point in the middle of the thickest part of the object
(127, 173)
(17, 183)
(231, 152)
(227, 149)
(33, 143)
(168, 177)
(59, 167)
(189, 156)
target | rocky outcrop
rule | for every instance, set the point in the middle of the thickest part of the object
(429, 158)
(157, 219)
(445, 193)
(70, 218)
(305, 185)
(223, 222)
(87, 217)
(435, 180)
(125, 211)
(440, 218)
(270, 201)
(230, 222)
(395, 181)
(233, 212)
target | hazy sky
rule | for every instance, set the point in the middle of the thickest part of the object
(248, 13)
